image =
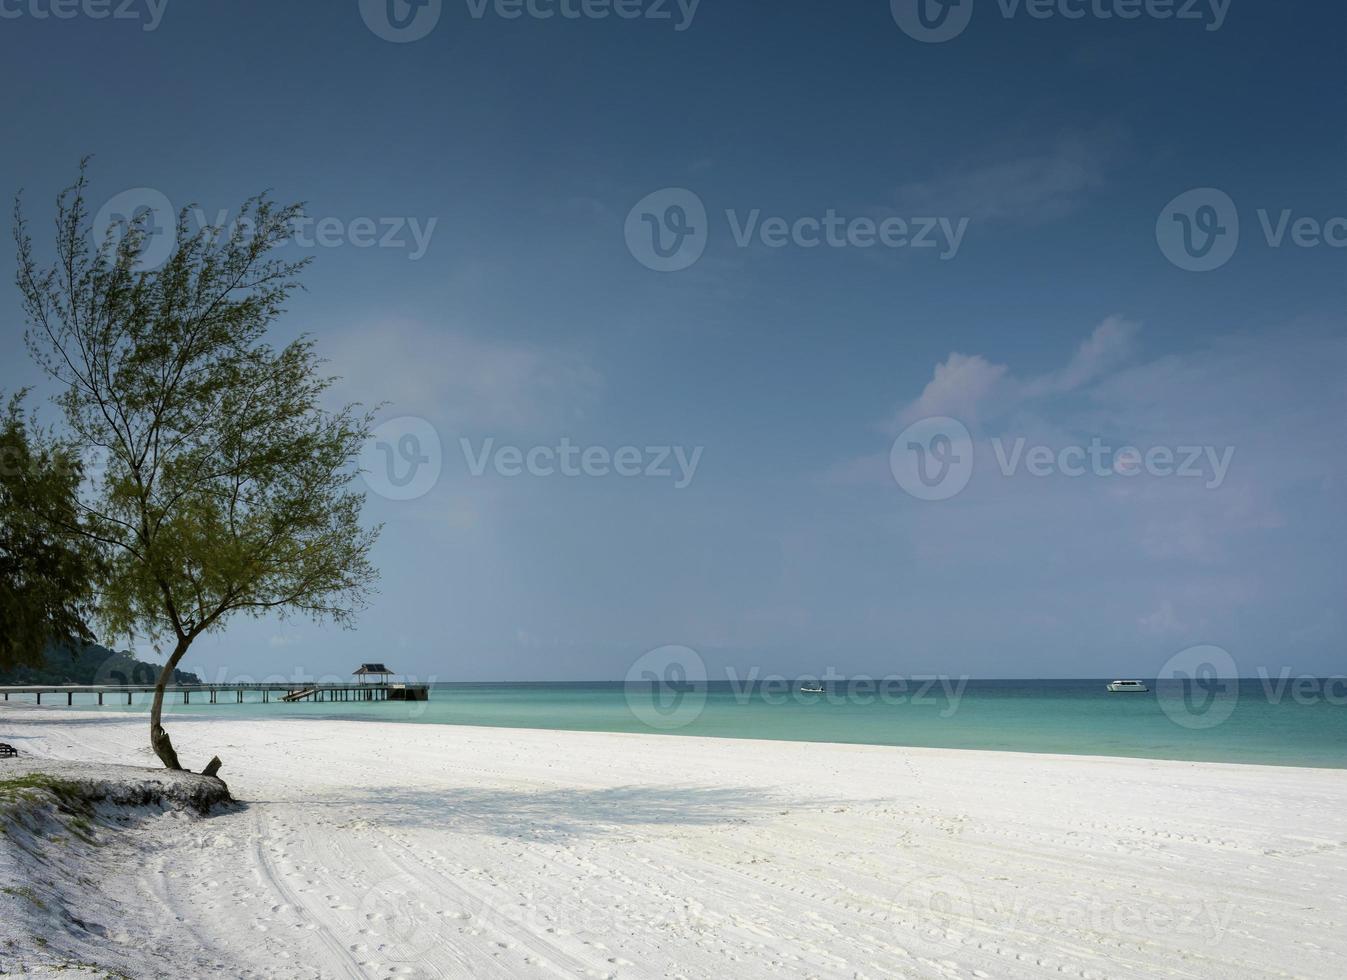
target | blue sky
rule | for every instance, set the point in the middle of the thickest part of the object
(1059, 319)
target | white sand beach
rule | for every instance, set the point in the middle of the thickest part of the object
(382, 850)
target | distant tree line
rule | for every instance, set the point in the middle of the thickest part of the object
(90, 663)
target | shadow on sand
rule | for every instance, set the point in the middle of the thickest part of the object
(554, 814)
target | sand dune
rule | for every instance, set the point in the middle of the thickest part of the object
(380, 850)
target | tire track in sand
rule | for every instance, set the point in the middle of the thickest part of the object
(341, 956)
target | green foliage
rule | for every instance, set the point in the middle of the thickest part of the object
(226, 483)
(46, 570)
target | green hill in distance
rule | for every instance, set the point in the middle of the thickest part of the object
(90, 664)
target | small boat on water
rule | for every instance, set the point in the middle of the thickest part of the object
(1127, 687)
(811, 690)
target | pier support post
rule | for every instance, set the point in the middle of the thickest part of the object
(100, 697)
(70, 698)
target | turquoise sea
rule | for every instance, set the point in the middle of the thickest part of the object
(1297, 723)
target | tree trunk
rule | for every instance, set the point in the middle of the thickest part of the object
(159, 740)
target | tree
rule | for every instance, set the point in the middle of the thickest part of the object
(46, 571)
(226, 484)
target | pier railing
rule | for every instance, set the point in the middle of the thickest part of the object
(288, 691)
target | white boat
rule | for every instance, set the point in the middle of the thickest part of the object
(1127, 687)
(811, 690)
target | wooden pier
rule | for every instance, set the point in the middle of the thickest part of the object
(227, 693)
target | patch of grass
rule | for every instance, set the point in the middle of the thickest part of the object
(24, 787)
(70, 797)
(19, 797)
(82, 828)
(26, 893)
(90, 968)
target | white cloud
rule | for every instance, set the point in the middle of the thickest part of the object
(1107, 346)
(460, 381)
(960, 385)
(971, 388)
(1033, 187)
(1162, 619)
